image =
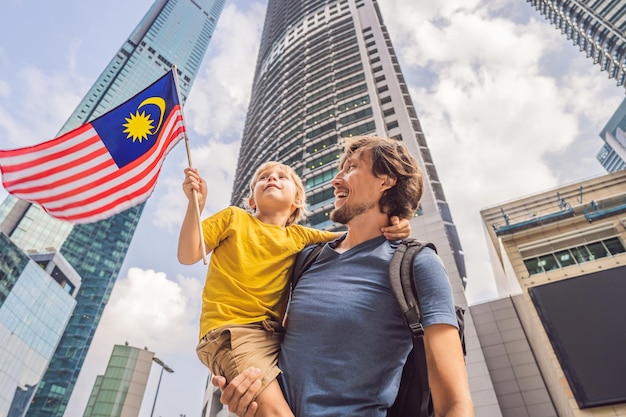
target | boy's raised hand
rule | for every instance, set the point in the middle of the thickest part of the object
(193, 181)
(398, 230)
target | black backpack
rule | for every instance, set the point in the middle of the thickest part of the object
(414, 399)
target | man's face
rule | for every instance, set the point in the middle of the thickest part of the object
(357, 190)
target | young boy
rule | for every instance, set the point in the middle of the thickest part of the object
(245, 293)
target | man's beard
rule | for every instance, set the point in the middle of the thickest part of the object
(347, 212)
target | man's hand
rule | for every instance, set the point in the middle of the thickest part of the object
(238, 394)
(399, 229)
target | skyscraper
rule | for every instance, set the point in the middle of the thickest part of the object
(612, 155)
(327, 71)
(119, 392)
(597, 27)
(37, 293)
(173, 32)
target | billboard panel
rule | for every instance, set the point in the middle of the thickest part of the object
(585, 319)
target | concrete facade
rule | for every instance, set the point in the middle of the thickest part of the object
(562, 236)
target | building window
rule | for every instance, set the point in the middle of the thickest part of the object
(319, 162)
(575, 255)
(321, 178)
(392, 125)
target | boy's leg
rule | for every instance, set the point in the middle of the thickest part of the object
(214, 351)
(232, 350)
(271, 402)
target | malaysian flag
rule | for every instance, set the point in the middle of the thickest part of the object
(105, 166)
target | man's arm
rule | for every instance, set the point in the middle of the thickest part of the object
(447, 375)
(238, 394)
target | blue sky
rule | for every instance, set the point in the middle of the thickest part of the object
(508, 106)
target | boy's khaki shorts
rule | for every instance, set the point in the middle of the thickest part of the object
(230, 350)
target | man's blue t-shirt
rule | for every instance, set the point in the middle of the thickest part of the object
(346, 340)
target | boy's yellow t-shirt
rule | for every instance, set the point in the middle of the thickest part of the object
(249, 267)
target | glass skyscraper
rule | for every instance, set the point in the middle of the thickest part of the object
(119, 392)
(597, 27)
(37, 293)
(612, 155)
(173, 32)
(327, 71)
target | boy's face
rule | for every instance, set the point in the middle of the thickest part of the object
(274, 190)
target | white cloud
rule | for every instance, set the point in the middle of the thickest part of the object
(147, 309)
(39, 108)
(221, 93)
(493, 116)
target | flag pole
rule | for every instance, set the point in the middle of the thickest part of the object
(195, 193)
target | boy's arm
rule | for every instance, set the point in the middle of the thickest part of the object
(189, 244)
(398, 230)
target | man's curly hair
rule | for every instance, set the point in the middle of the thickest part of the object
(391, 157)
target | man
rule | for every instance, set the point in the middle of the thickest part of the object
(346, 341)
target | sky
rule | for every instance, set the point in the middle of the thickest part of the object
(508, 105)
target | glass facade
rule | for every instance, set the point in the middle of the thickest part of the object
(612, 156)
(597, 27)
(609, 159)
(33, 229)
(327, 71)
(119, 392)
(34, 310)
(173, 32)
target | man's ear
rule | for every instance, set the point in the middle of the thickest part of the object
(388, 182)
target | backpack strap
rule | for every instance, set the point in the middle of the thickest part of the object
(402, 279)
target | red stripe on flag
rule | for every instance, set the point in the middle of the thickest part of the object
(111, 206)
(67, 180)
(59, 169)
(50, 157)
(114, 176)
(49, 144)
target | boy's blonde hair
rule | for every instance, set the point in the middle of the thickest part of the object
(300, 193)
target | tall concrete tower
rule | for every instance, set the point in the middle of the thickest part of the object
(327, 71)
